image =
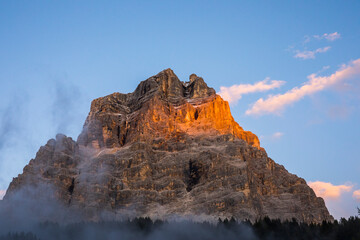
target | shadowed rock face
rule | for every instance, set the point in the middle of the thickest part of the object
(168, 149)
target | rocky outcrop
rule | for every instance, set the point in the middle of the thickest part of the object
(168, 149)
(56, 164)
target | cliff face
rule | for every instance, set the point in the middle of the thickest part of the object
(160, 107)
(168, 149)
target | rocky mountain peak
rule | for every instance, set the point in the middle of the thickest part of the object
(197, 87)
(161, 106)
(168, 85)
(169, 148)
(165, 83)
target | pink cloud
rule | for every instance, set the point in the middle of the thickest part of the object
(328, 36)
(339, 199)
(2, 194)
(235, 92)
(310, 54)
(276, 103)
(356, 195)
(328, 190)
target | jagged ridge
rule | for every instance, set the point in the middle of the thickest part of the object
(161, 106)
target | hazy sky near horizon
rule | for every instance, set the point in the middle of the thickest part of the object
(290, 70)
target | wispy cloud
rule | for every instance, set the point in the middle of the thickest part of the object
(277, 135)
(327, 190)
(235, 92)
(323, 69)
(356, 195)
(276, 103)
(310, 54)
(328, 36)
(2, 194)
(59, 108)
(273, 137)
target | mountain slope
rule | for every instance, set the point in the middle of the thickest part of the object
(168, 149)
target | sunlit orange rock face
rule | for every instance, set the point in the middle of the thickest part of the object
(161, 106)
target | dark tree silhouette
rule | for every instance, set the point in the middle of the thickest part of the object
(146, 228)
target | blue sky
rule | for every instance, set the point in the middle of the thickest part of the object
(56, 56)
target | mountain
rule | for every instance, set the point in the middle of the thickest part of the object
(169, 149)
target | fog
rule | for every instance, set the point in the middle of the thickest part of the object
(35, 209)
(29, 118)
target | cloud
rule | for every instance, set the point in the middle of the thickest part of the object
(2, 194)
(64, 107)
(339, 199)
(328, 36)
(274, 104)
(235, 92)
(356, 195)
(329, 191)
(310, 54)
(29, 118)
(277, 135)
(323, 69)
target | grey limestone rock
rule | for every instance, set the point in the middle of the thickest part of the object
(168, 149)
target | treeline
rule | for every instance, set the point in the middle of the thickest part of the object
(145, 228)
(275, 229)
(19, 236)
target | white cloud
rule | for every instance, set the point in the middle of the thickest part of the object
(277, 135)
(2, 194)
(328, 36)
(274, 104)
(329, 191)
(356, 195)
(323, 69)
(310, 54)
(322, 50)
(273, 137)
(235, 92)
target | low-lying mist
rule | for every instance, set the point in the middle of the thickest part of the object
(34, 213)
(41, 216)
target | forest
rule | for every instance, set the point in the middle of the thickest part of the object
(146, 228)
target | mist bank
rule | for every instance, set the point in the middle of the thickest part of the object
(30, 214)
(147, 229)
